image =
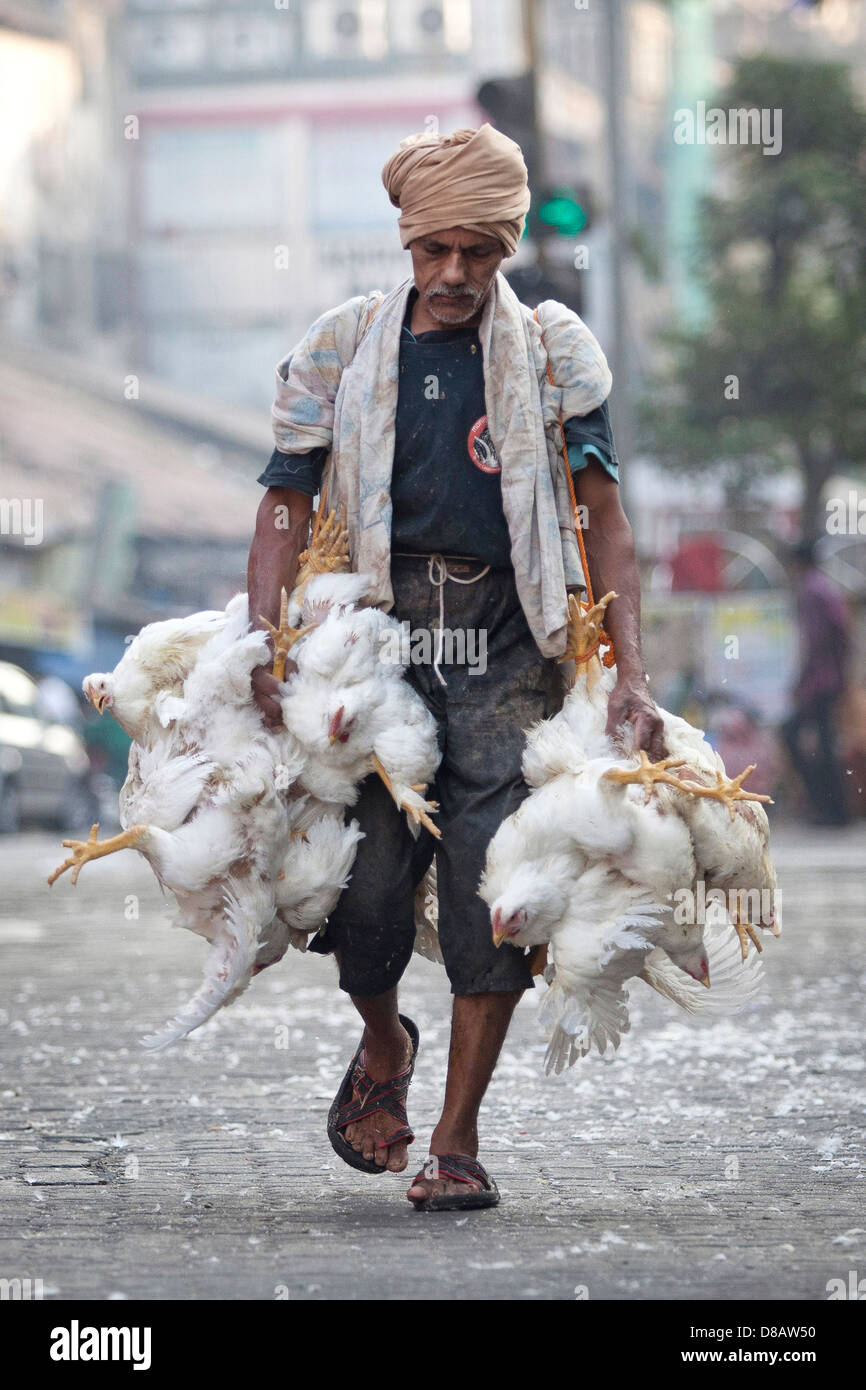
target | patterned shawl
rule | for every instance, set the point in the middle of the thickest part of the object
(338, 388)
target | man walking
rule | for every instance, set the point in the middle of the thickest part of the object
(443, 412)
(825, 647)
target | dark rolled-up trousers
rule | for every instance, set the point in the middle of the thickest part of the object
(481, 717)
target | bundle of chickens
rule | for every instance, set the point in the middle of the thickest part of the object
(629, 868)
(246, 826)
(250, 828)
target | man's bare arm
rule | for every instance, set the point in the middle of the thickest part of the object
(612, 565)
(282, 531)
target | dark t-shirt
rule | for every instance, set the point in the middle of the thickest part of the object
(446, 486)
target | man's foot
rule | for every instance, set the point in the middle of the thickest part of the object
(381, 1060)
(429, 1185)
(453, 1182)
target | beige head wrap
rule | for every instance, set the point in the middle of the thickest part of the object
(473, 178)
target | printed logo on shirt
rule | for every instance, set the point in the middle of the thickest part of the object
(481, 450)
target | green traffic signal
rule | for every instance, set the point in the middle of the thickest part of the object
(561, 211)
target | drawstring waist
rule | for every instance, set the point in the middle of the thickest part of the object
(459, 562)
(441, 568)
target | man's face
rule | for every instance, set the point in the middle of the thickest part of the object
(454, 271)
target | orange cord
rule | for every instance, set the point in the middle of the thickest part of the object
(609, 657)
(582, 660)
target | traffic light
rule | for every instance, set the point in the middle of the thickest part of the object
(561, 211)
(510, 103)
(555, 210)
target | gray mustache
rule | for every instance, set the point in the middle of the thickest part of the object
(447, 292)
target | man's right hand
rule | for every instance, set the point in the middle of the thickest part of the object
(273, 566)
(266, 694)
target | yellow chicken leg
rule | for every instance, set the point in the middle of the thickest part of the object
(647, 774)
(417, 811)
(584, 628)
(727, 789)
(285, 636)
(328, 551)
(92, 848)
(746, 932)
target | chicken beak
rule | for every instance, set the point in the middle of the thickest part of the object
(499, 932)
(335, 728)
(98, 701)
(705, 978)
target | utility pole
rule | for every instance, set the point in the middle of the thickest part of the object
(620, 218)
(620, 215)
(538, 154)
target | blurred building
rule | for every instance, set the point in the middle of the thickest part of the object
(186, 184)
(113, 516)
(235, 154)
(255, 192)
(64, 262)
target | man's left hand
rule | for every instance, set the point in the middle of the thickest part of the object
(631, 703)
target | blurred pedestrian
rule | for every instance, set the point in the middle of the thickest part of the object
(825, 646)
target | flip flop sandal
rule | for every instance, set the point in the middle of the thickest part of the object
(388, 1096)
(460, 1168)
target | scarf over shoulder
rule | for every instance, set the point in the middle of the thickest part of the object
(338, 389)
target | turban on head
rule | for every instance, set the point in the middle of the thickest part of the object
(473, 178)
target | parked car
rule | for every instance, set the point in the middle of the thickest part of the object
(44, 768)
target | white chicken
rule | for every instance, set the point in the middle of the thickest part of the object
(245, 826)
(597, 859)
(352, 711)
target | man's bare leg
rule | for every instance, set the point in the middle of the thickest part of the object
(387, 1052)
(479, 1023)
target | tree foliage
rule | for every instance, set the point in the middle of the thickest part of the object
(782, 258)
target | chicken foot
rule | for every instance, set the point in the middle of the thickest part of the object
(584, 628)
(416, 810)
(284, 637)
(647, 774)
(745, 931)
(727, 789)
(92, 848)
(328, 551)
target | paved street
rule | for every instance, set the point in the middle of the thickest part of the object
(719, 1160)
